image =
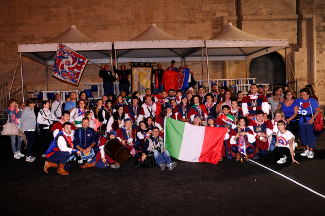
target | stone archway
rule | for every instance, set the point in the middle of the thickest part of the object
(268, 68)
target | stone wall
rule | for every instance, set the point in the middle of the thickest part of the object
(35, 21)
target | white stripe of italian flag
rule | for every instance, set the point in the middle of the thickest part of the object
(191, 143)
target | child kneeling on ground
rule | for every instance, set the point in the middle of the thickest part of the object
(284, 145)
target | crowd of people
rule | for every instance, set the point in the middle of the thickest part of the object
(77, 131)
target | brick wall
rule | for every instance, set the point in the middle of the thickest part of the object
(35, 21)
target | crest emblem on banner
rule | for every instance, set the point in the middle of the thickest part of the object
(68, 64)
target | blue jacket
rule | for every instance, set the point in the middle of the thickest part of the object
(84, 137)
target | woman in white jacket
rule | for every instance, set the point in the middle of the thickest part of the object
(44, 121)
(77, 114)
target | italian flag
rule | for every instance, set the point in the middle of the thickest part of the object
(191, 143)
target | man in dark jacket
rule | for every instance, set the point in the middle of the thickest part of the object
(85, 140)
(123, 78)
(108, 79)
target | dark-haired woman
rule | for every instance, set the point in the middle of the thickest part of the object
(290, 108)
(117, 119)
(242, 139)
(307, 113)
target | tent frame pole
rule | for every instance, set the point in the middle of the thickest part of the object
(208, 74)
(22, 78)
(286, 66)
(47, 76)
(202, 65)
(246, 67)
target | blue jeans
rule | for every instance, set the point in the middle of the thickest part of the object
(272, 144)
(162, 157)
(13, 143)
(125, 87)
(307, 135)
(108, 88)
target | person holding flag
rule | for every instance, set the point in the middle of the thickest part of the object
(242, 139)
(262, 130)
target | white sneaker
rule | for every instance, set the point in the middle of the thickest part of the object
(305, 153)
(30, 159)
(43, 156)
(16, 156)
(310, 155)
(34, 158)
(282, 160)
(20, 154)
(80, 161)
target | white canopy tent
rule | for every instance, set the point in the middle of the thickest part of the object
(155, 45)
(44, 53)
(232, 43)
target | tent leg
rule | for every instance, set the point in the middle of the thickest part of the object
(286, 66)
(202, 65)
(47, 76)
(246, 68)
(207, 60)
(22, 78)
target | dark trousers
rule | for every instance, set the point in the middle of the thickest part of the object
(293, 128)
(46, 139)
(30, 136)
(108, 88)
(60, 157)
(125, 87)
(278, 153)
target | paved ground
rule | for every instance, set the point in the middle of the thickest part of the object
(228, 188)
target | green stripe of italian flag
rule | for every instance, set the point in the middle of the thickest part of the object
(191, 143)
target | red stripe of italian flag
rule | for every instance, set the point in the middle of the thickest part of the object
(191, 143)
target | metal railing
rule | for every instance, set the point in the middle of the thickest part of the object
(17, 95)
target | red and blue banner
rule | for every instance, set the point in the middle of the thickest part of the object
(68, 64)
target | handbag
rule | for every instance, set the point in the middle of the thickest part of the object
(9, 129)
(319, 124)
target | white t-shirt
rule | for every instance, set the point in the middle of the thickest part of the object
(284, 139)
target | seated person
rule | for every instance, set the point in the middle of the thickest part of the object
(148, 109)
(85, 140)
(103, 160)
(210, 122)
(284, 145)
(278, 115)
(93, 123)
(142, 134)
(77, 114)
(57, 127)
(60, 150)
(183, 109)
(197, 120)
(152, 124)
(127, 135)
(242, 139)
(235, 110)
(262, 130)
(210, 105)
(117, 119)
(168, 113)
(197, 109)
(225, 119)
(100, 114)
(179, 94)
(155, 144)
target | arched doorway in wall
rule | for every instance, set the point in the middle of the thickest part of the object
(268, 68)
